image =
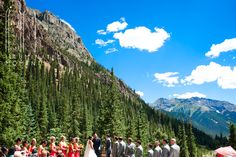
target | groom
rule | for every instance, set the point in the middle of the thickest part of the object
(97, 144)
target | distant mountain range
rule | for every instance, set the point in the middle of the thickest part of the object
(211, 116)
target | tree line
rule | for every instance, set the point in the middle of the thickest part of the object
(39, 98)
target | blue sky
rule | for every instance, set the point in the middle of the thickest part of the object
(159, 48)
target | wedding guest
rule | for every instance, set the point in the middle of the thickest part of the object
(174, 148)
(63, 146)
(4, 151)
(139, 149)
(115, 147)
(42, 149)
(108, 145)
(25, 148)
(130, 149)
(17, 144)
(71, 152)
(122, 147)
(150, 151)
(157, 150)
(33, 148)
(53, 148)
(165, 149)
(76, 147)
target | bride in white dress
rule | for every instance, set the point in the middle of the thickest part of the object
(89, 151)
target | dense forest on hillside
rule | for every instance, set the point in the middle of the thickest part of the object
(39, 98)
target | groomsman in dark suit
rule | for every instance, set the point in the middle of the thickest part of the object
(150, 151)
(108, 146)
(165, 149)
(130, 148)
(115, 147)
(139, 149)
(174, 148)
(97, 144)
(121, 148)
(157, 149)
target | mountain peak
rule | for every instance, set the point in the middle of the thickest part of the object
(206, 114)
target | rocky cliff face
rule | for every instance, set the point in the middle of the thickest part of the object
(47, 35)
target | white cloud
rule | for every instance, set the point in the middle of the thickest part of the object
(224, 75)
(188, 95)
(168, 79)
(204, 73)
(228, 79)
(141, 94)
(111, 50)
(117, 25)
(142, 38)
(69, 25)
(103, 43)
(101, 32)
(225, 46)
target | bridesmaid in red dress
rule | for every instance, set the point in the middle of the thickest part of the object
(71, 148)
(63, 145)
(53, 148)
(42, 149)
(76, 147)
(33, 148)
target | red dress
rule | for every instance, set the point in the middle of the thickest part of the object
(53, 150)
(40, 151)
(77, 150)
(32, 149)
(63, 148)
(71, 151)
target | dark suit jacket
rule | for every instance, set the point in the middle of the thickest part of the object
(115, 149)
(174, 151)
(96, 144)
(165, 151)
(108, 145)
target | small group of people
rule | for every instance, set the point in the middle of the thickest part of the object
(26, 150)
(166, 151)
(120, 149)
(115, 147)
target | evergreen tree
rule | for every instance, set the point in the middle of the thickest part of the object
(117, 120)
(141, 126)
(232, 136)
(38, 101)
(184, 151)
(12, 92)
(191, 141)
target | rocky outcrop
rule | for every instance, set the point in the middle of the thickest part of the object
(47, 36)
